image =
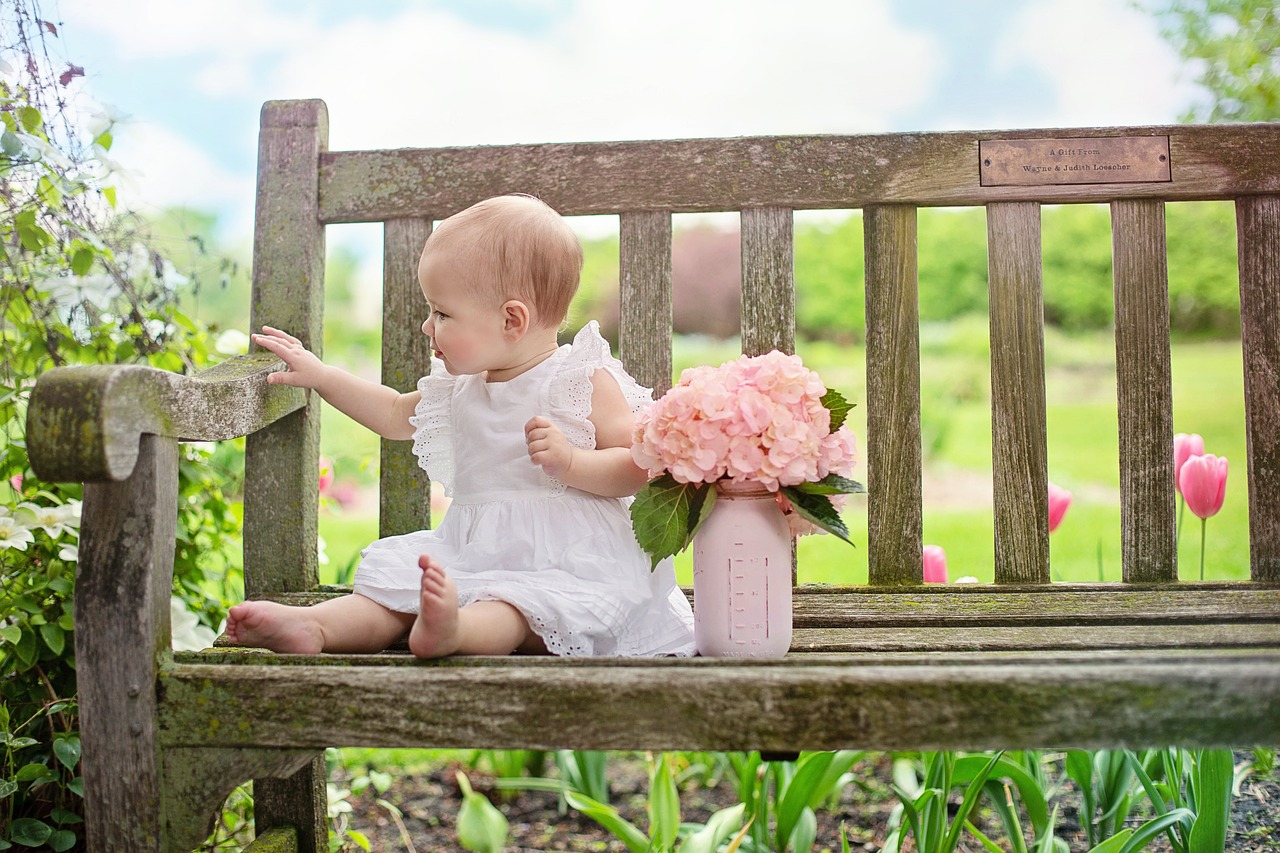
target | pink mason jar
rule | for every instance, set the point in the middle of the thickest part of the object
(742, 576)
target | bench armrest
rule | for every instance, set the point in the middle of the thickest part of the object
(84, 422)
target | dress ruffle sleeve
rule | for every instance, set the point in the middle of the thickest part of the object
(569, 392)
(432, 423)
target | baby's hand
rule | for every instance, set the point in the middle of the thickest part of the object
(548, 447)
(304, 369)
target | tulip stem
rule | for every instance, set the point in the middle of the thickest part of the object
(1203, 523)
(1182, 511)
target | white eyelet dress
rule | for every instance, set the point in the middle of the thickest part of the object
(566, 559)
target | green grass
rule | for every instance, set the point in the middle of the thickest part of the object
(956, 427)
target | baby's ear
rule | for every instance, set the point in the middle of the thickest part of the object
(516, 318)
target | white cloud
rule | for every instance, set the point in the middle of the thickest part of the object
(612, 71)
(163, 169)
(1105, 59)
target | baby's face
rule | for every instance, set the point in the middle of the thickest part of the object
(466, 331)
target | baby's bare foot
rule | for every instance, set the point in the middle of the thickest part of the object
(278, 627)
(435, 631)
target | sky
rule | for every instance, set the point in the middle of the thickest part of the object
(187, 79)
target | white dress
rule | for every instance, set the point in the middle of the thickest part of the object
(566, 559)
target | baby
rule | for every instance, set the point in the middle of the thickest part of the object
(531, 439)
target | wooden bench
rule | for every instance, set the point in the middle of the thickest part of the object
(893, 665)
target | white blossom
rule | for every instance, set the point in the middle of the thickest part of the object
(54, 520)
(188, 634)
(69, 553)
(14, 534)
(232, 342)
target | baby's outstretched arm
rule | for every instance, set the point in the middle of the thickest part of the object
(383, 410)
(608, 470)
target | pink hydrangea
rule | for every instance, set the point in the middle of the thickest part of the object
(755, 418)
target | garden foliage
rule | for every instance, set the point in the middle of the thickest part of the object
(78, 285)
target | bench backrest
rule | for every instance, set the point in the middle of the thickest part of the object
(302, 187)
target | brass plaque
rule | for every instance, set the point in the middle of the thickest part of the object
(1094, 160)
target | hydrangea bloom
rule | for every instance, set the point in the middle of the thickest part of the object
(755, 418)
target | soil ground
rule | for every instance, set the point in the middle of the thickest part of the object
(429, 804)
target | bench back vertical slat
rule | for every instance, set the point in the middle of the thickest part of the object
(768, 281)
(1144, 392)
(1019, 455)
(404, 503)
(644, 333)
(281, 492)
(1258, 229)
(894, 519)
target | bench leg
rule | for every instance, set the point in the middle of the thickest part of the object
(123, 576)
(299, 801)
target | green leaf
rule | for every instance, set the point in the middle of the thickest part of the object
(608, 817)
(818, 510)
(30, 118)
(104, 139)
(718, 828)
(7, 788)
(63, 817)
(109, 193)
(839, 407)
(480, 826)
(65, 839)
(54, 638)
(665, 515)
(68, 751)
(82, 261)
(664, 805)
(1149, 830)
(34, 773)
(29, 832)
(970, 800)
(1214, 774)
(1028, 788)
(832, 484)
(10, 633)
(795, 799)
(10, 144)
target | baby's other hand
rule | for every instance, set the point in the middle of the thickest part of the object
(303, 368)
(548, 448)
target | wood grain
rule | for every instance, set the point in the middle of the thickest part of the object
(644, 332)
(796, 172)
(894, 516)
(1018, 431)
(930, 702)
(281, 492)
(123, 579)
(1144, 388)
(1258, 225)
(404, 494)
(768, 281)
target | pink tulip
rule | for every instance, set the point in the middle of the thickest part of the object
(1203, 481)
(1184, 447)
(935, 564)
(1059, 500)
(15, 482)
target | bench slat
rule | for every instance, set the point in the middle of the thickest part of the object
(942, 703)
(984, 604)
(404, 502)
(798, 172)
(768, 281)
(644, 333)
(894, 504)
(1144, 388)
(1258, 227)
(935, 640)
(1019, 455)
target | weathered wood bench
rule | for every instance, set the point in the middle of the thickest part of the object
(892, 665)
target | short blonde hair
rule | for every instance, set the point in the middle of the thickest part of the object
(520, 248)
